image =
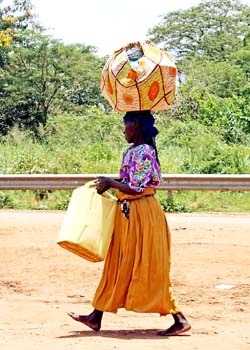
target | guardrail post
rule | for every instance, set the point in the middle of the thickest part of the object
(170, 195)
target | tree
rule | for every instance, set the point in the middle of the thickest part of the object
(213, 29)
(223, 79)
(41, 75)
(13, 18)
(211, 44)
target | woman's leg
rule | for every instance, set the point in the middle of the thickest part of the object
(92, 320)
(180, 325)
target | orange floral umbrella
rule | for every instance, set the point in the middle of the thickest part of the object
(146, 82)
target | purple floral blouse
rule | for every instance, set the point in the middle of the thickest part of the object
(140, 168)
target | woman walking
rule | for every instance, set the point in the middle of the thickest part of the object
(136, 273)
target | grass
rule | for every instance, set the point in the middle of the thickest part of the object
(183, 201)
(212, 201)
(94, 143)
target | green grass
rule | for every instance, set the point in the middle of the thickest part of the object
(183, 201)
(94, 143)
(209, 201)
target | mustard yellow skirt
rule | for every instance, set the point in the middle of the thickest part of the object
(136, 270)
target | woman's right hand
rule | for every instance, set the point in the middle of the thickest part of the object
(103, 184)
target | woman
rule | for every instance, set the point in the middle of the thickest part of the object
(136, 270)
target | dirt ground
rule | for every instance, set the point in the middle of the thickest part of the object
(40, 282)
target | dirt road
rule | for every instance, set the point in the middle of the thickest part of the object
(40, 282)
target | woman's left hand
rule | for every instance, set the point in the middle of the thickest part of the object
(103, 184)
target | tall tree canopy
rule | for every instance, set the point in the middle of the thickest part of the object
(214, 29)
(44, 74)
(211, 44)
(13, 18)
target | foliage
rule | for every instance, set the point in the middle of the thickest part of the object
(222, 79)
(94, 142)
(214, 201)
(44, 76)
(6, 33)
(213, 29)
(5, 201)
(197, 148)
(173, 206)
(53, 118)
(211, 42)
(41, 75)
(13, 18)
(80, 144)
(68, 144)
(230, 116)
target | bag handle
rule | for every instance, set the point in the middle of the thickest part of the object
(106, 194)
(90, 184)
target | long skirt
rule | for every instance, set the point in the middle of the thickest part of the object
(136, 274)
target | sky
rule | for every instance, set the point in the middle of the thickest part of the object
(106, 24)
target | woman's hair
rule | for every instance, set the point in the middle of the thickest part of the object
(146, 122)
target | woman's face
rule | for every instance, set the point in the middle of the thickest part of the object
(130, 131)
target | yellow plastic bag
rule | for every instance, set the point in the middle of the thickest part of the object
(89, 223)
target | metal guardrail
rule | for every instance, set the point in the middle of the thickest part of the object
(170, 182)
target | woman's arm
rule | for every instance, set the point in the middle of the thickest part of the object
(105, 183)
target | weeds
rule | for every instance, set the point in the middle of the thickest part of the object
(94, 143)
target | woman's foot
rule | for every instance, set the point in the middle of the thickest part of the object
(181, 325)
(92, 320)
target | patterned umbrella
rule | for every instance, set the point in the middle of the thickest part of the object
(139, 77)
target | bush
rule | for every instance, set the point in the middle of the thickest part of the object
(94, 142)
(6, 201)
(173, 206)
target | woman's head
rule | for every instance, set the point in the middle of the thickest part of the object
(144, 120)
(140, 124)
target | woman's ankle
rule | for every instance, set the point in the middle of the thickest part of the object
(180, 318)
(96, 315)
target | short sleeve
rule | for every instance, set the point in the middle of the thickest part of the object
(141, 170)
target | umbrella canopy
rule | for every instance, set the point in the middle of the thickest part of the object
(139, 77)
